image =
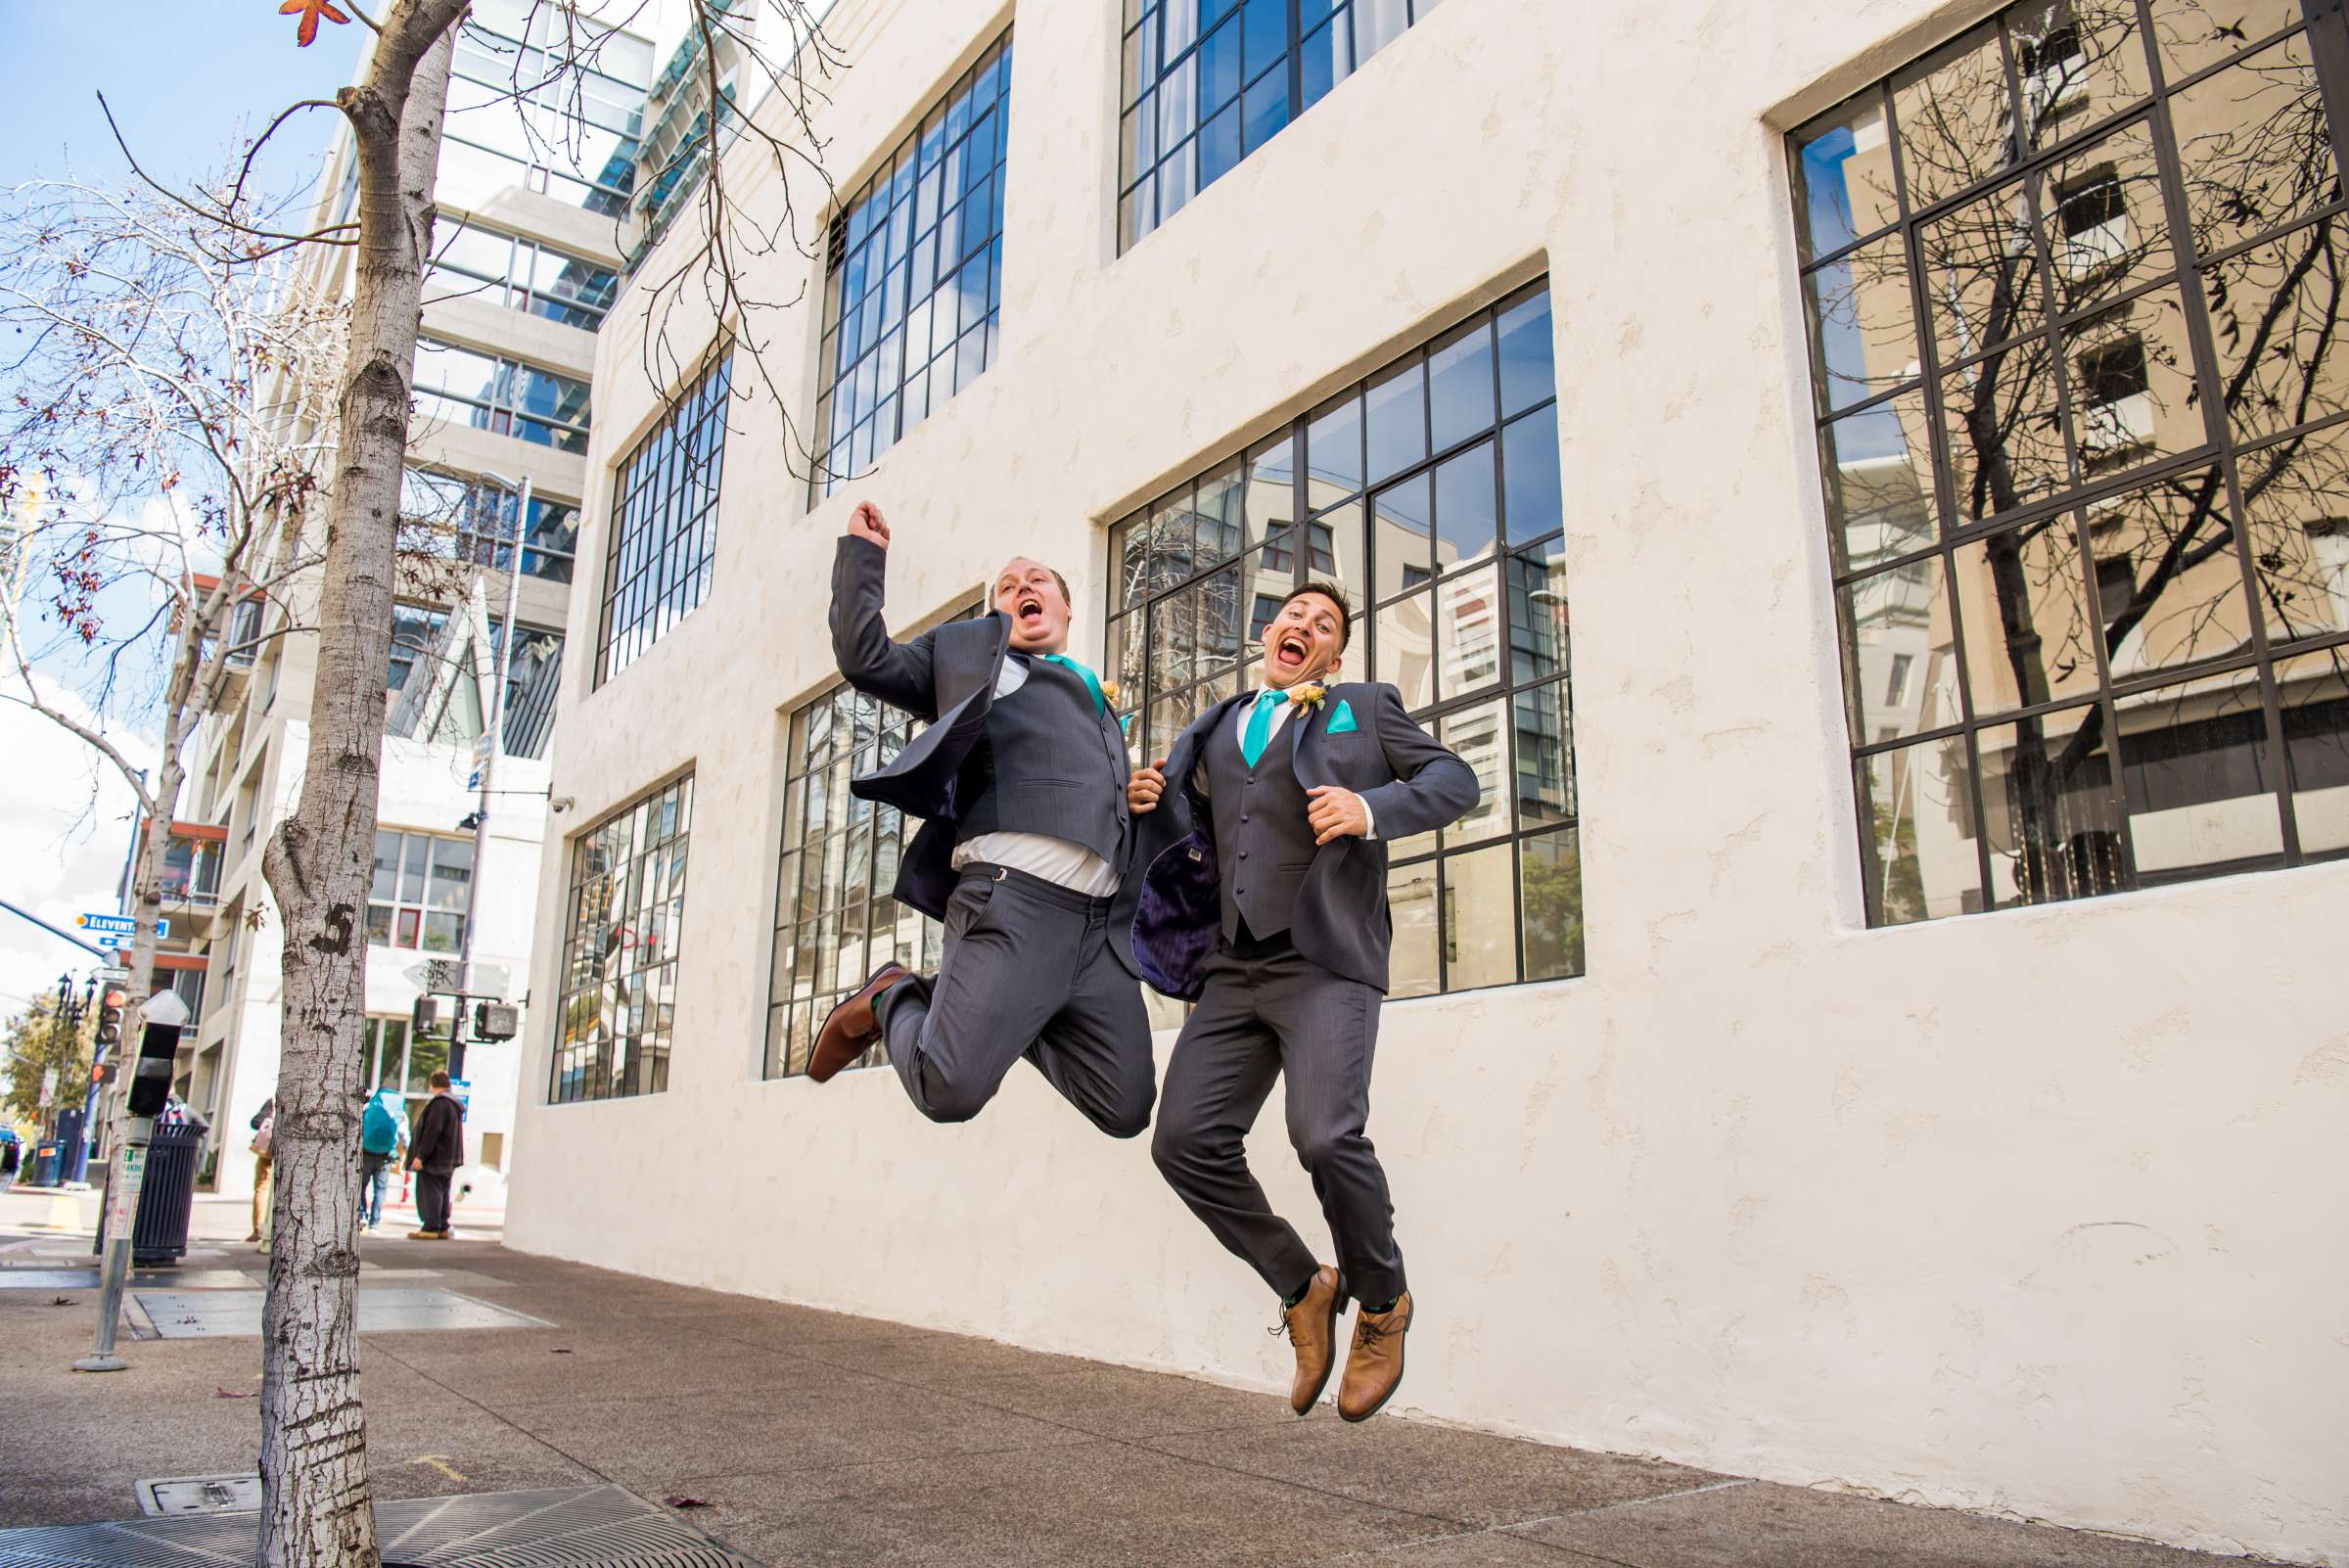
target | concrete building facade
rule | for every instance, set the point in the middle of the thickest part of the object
(535, 192)
(1705, 1142)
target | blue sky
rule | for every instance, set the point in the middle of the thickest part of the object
(187, 80)
(185, 77)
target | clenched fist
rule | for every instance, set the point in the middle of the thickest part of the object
(1336, 814)
(1144, 786)
(865, 522)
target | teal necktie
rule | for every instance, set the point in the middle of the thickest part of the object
(1260, 726)
(1092, 683)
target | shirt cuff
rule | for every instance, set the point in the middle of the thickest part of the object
(1369, 821)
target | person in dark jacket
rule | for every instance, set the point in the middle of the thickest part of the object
(1019, 784)
(434, 1154)
(1264, 899)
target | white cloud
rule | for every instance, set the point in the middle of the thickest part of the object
(64, 830)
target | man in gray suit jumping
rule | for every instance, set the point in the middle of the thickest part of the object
(1264, 899)
(1019, 784)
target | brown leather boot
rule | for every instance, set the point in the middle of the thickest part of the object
(1313, 1329)
(1374, 1366)
(851, 1027)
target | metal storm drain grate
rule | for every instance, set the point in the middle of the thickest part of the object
(234, 1314)
(588, 1526)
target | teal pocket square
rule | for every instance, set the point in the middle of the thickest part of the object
(1341, 723)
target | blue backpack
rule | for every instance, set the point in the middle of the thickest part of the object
(378, 1134)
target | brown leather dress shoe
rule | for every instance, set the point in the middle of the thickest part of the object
(1313, 1328)
(1374, 1366)
(851, 1027)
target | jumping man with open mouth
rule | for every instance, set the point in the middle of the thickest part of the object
(1020, 783)
(1264, 897)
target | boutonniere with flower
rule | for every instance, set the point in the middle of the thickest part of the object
(1109, 690)
(1309, 694)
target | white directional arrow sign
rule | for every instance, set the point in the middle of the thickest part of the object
(448, 975)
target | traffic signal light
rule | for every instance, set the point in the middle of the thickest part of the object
(101, 1074)
(110, 1018)
(424, 1019)
(496, 1020)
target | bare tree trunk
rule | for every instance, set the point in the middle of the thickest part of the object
(315, 1508)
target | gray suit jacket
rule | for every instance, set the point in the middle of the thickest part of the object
(948, 676)
(1411, 783)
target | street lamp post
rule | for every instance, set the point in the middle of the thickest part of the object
(484, 776)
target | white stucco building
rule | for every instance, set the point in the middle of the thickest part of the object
(1930, 1088)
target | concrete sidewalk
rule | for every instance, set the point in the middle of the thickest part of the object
(815, 1438)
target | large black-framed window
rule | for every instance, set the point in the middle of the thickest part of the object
(913, 276)
(1429, 491)
(1207, 82)
(624, 918)
(664, 536)
(2075, 286)
(835, 918)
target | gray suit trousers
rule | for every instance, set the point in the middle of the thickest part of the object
(1258, 1018)
(1027, 971)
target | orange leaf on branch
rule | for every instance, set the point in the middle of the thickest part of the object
(309, 10)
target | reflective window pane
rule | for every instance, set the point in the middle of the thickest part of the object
(1549, 873)
(2314, 690)
(1916, 825)
(1955, 117)
(1411, 963)
(2028, 632)
(2252, 146)
(1479, 918)
(2169, 584)
(2296, 496)
(2054, 830)
(1878, 467)
(1898, 677)
(2198, 778)
(1479, 737)
(1862, 328)
(1843, 182)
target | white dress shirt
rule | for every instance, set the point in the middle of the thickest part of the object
(1055, 860)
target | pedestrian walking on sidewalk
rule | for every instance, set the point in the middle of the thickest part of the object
(434, 1153)
(264, 1138)
(380, 1134)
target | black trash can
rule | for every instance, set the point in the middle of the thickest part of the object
(158, 1236)
(41, 1170)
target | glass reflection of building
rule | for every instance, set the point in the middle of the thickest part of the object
(2074, 329)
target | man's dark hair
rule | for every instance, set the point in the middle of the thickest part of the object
(1335, 595)
(439, 1078)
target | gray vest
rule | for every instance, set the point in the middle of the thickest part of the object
(1263, 845)
(1050, 764)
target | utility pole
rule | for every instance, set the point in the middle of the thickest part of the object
(485, 776)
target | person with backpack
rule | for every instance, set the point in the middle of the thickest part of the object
(381, 1133)
(264, 1138)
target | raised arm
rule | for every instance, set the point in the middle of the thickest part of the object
(897, 674)
(1432, 786)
